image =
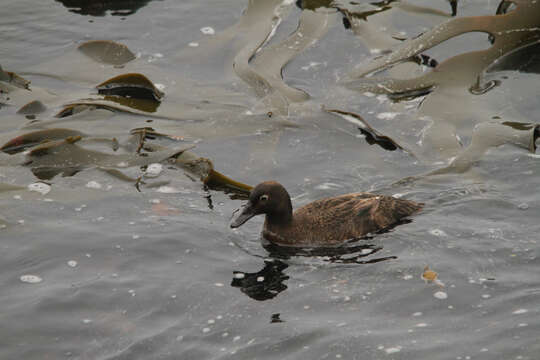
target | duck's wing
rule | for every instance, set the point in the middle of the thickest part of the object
(389, 210)
(353, 215)
(337, 219)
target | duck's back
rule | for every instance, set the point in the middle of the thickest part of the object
(334, 220)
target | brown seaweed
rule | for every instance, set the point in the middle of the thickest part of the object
(372, 136)
(130, 85)
(32, 108)
(14, 79)
(28, 140)
(107, 52)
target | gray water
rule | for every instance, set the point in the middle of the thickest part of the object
(158, 274)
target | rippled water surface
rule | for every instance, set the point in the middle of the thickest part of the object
(95, 264)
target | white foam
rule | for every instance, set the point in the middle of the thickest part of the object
(154, 170)
(437, 232)
(72, 263)
(168, 190)
(40, 187)
(207, 30)
(393, 350)
(93, 185)
(31, 279)
(441, 295)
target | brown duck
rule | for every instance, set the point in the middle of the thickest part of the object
(325, 222)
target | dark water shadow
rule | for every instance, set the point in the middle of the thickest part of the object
(101, 7)
(268, 282)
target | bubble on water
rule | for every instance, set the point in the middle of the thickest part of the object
(154, 170)
(193, 44)
(260, 279)
(236, 338)
(441, 295)
(520, 311)
(40, 187)
(207, 30)
(366, 251)
(205, 330)
(307, 307)
(93, 185)
(486, 296)
(31, 279)
(421, 325)
(523, 325)
(122, 164)
(393, 350)
(17, 197)
(225, 334)
(417, 314)
(219, 284)
(483, 349)
(86, 321)
(239, 275)
(407, 277)
(72, 263)
(437, 232)
(211, 321)
(155, 201)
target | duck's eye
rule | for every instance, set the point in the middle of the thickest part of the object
(263, 197)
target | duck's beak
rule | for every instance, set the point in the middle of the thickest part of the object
(246, 213)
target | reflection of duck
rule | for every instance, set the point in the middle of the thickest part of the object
(325, 222)
(264, 284)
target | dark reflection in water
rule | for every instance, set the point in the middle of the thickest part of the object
(268, 282)
(101, 7)
(264, 284)
(345, 254)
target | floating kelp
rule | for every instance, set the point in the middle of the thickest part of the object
(107, 52)
(130, 85)
(145, 105)
(372, 135)
(25, 141)
(14, 79)
(203, 169)
(101, 7)
(511, 31)
(76, 108)
(525, 59)
(68, 156)
(32, 108)
(106, 104)
(487, 135)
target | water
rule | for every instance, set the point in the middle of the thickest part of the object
(158, 274)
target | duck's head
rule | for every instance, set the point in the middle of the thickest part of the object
(268, 198)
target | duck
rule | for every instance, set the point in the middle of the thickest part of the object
(325, 222)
